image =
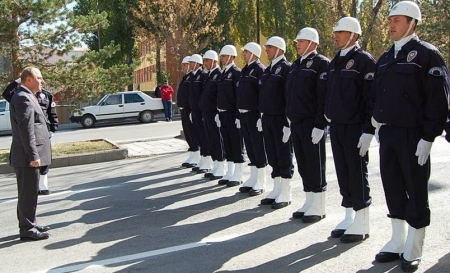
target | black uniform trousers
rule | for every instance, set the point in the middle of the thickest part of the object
(197, 121)
(310, 157)
(213, 136)
(253, 139)
(405, 182)
(27, 188)
(351, 168)
(232, 139)
(279, 154)
(188, 130)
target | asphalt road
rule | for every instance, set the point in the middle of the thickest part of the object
(149, 215)
(115, 132)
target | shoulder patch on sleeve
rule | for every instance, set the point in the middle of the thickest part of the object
(323, 76)
(369, 76)
(436, 71)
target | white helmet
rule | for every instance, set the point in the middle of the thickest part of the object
(349, 24)
(308, 33)
(278, 42)
(407, 8)
(211, 54)
(185, 60)
(228, 50)
(254, 48)
(196, 58)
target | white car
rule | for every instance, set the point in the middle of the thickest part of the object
(5, 122)
(118, 107)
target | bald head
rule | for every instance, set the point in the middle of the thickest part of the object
(31, 78)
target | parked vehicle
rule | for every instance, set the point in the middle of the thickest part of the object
(5, 123)
(119, 106)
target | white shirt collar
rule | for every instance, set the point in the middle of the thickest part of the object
(400, 43)
(214, 68)
(228, 66)
(347, 50)
(195, 72)
(306, 56)
(276, 60)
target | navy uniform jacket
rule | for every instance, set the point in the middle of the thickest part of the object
(348, 99)
(208, 99)
(247, 95)
(45, 99)
(226, 89)
(412, 90)
(183, 91)
(272, 99)
(306, 88)
(196, 89)
(9, 91)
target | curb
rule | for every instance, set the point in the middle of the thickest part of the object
(80, 159)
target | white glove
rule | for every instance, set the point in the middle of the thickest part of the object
(364, 143)
(423, 151)
(329, 120)
(377, 137)
(375, 123)
(51, 134)
(316, 135)
(289, 121)
(238, 123)
(217, 120)
(18, 80)
(259, 125)
(286, 134)
(190, 116)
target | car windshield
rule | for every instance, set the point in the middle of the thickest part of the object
(101, 100)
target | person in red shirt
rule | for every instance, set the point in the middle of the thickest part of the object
(166, 98)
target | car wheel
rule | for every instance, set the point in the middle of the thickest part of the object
(88, 121)
(146, 116)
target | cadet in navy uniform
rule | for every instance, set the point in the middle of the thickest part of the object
(185, 111)
(208, 106)
(45, 99)
(227, 117)
(195, 91)
(247, 98)
(411, 88)
(306, 88)
(274, 124)
(347, 106)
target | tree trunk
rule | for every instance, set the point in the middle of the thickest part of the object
(15, 48)
(369, 30)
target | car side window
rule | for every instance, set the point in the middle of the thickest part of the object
(114, 99)
(133, 98)
(2, 106)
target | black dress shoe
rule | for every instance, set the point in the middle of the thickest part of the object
(208, 175)
(410, 266)
(386, 257)
(245, 189)
(190, 165)
(280, 205)
(44, 192)
(222, 182)
(253, 192)
(312, 218)
(35, 236)
(213, 177)
(42, 228)
(337, 233)
(199, 171)
(184, 164)
(353, 238)
(267, 201)
(195, 169)
(298, 214)
(233, 183)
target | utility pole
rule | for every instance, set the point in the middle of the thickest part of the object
(257, 21)
(98, 27)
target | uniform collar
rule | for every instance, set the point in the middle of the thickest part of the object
(228, 66)
(344, 52)
(276, 60)
(400, 43)
(314, 52)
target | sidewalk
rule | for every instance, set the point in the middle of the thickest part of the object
(155, 147)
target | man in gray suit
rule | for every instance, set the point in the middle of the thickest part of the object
(30, 149)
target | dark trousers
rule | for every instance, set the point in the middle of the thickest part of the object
(188, 130)
(405, 182)
(232, 139)
(167, 104)
(310, 157)
(253, 139)
(279, 154)
(197, 120)
(351, 168)
(27, 189)
(213, 135)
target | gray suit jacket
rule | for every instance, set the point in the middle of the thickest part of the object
(30, 137)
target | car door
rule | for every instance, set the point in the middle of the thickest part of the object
(111, 108)
(134, 104)
(5, 123)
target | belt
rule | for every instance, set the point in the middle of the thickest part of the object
(242, 111)
(221, 110)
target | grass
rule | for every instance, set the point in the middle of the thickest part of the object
(70, 148)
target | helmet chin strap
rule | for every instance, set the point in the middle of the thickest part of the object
(250, 59)
(407, 31)
(349, 40)
(303, 54)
